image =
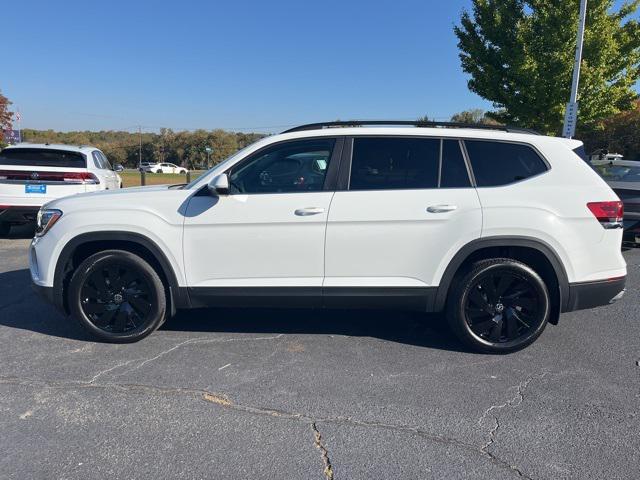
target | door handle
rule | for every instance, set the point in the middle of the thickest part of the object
(305, 212)
(441, 208)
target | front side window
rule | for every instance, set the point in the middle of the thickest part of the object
(298, 166)
(387, 163)
(501, 163)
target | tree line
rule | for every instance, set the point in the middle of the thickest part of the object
(184, 148)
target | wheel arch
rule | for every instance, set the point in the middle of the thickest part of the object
(491, 245)
(86, 244)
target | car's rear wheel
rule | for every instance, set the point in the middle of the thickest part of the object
(5, 228)
(499, 306)
(117, 297)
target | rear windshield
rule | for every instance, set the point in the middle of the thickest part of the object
(41, 157)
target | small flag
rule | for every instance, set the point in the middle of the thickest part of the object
(18, 116)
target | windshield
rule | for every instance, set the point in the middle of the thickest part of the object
(219, 165)
(619, 173)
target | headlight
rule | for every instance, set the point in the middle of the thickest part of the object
(46, 219)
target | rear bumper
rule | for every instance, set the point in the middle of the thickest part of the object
(585, 295)
(18, 214)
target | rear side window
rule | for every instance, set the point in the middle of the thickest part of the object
(454, 170)
(499, 163)
(394, 163)
(42, 157)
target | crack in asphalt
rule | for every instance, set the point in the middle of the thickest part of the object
(224, 402)
(512, 402)
(324, 453)
(192, 341)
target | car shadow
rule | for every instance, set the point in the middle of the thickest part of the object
(411, 328)
(29, 312)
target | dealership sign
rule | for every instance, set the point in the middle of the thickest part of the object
(12, 136)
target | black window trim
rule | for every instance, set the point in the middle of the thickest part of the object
(344, 177)
(332, 170)
(512, 142)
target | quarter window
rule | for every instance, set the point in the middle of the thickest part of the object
(299, 166)
(500, 163)
(380, 163)
(105, 161)
(97, 161)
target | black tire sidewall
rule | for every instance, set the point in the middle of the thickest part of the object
(98, 260)
(457, 314)
(5, 228)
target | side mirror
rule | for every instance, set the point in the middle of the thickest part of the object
(219, 185)
(118, 168)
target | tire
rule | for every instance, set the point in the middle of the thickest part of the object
(128, 312)
(5, 228)
(158, 171)
(501, 305)
(183, 172)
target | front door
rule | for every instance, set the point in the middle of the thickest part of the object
(268, 233)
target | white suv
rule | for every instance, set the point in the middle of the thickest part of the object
(34, 174)
(503, 230)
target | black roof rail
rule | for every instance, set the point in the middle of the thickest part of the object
(414, 123)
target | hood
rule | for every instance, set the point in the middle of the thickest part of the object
(112, 198)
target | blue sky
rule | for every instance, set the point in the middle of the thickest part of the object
(247, 65)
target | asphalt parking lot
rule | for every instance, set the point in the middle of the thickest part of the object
(312, 394)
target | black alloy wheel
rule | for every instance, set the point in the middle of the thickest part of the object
(117, 296)
(500, 306)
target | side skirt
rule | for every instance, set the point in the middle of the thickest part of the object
(416, 298)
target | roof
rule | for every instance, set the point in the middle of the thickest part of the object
(54, 146)
(469, 133)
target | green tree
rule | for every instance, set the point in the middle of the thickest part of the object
(520, 56)
(473, 116)
(619, 133)
(5, 117)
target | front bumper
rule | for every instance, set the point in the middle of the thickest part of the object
(585, 295)
(18, 215)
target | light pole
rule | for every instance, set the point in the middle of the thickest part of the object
(571, 114)
(208, 150)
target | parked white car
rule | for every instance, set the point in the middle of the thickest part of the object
(162, 168)
(502, 230)
(34, 174)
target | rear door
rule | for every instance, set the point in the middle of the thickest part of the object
(407, 207)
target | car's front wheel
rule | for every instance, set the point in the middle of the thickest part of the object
(159, 171)
(499, 306)
(117, 297)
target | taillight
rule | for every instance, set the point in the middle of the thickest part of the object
(68, 177)
(81, 177)
(609, 214)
